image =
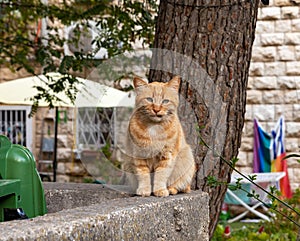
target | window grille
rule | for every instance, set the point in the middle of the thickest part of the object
(15, 124)
(95, 128)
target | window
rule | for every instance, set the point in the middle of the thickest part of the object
(95, 128)
(16, 125)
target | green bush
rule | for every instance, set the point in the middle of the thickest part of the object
(278, 229)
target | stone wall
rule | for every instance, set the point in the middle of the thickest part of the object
(69, 168)
(274, 82)
(94, 212)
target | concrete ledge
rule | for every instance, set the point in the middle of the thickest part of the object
(60, 196)
(179, 217)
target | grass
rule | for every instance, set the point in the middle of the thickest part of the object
(240, 231)
(278, 229)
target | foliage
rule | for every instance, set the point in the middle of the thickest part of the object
(283, 226)
(278, 229)
(288, 229)
(240, 232)
(22, 45)
(273, 194)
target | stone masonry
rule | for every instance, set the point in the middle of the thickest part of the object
(94, 212)
(274, 81)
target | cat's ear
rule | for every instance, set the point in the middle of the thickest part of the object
(138, 82)
(174, 83)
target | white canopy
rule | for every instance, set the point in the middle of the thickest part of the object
(91, 94)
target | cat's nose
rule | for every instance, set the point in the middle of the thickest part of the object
(156, 109)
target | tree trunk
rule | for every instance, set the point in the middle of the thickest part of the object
(209, 46)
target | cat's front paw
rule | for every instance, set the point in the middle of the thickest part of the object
(144, 192)
(161, 193)
(172, 190)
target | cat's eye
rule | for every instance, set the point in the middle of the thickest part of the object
(149, 99)
(165, 101)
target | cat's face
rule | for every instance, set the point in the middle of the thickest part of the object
(157, 101)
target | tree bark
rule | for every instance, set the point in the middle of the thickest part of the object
(208, 43)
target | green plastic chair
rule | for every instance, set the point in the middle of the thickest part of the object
(20, 184)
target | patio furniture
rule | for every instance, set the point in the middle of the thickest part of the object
(240, 197)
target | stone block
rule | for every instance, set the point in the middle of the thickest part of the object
(249, 113)
(286, 82)
(61, 168)
(292, 38)
(283, 26)
(293, 174)
(272, 39)
(292, 145)
(75, 169)
(295, 25)
(246, 170)
(297, 83)
(286, 53)
(64, 154)
(250, 84)
(62, 178)
(43, 112)
(264, 112)
(256, 69)
(245, 159)
(62, 141)
(291, 97)
(285, 110)
(296, 112)
(281, 3)
(297, 52)
(272, 97)
(290, 12)
(247, 144)
(7, 74)
(271, 3)
(264, 54)
(248, 128)
(275, 69)
(263, 27)
(270, 125)
(293, 68)
(250, 159)
(256, 41)
(65, 128)
(293, 129)
(259, 14)
(270, 13)
(265, 83)
(242, 162)
(38, 128)
(254, 97)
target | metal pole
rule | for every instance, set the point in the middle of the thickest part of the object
(55, 144)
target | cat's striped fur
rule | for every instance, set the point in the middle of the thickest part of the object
(158, 159)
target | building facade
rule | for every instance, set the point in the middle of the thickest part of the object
(274, 81)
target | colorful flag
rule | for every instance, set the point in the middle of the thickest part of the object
(269, 151)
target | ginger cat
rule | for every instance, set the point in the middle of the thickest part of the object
(157, 157)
